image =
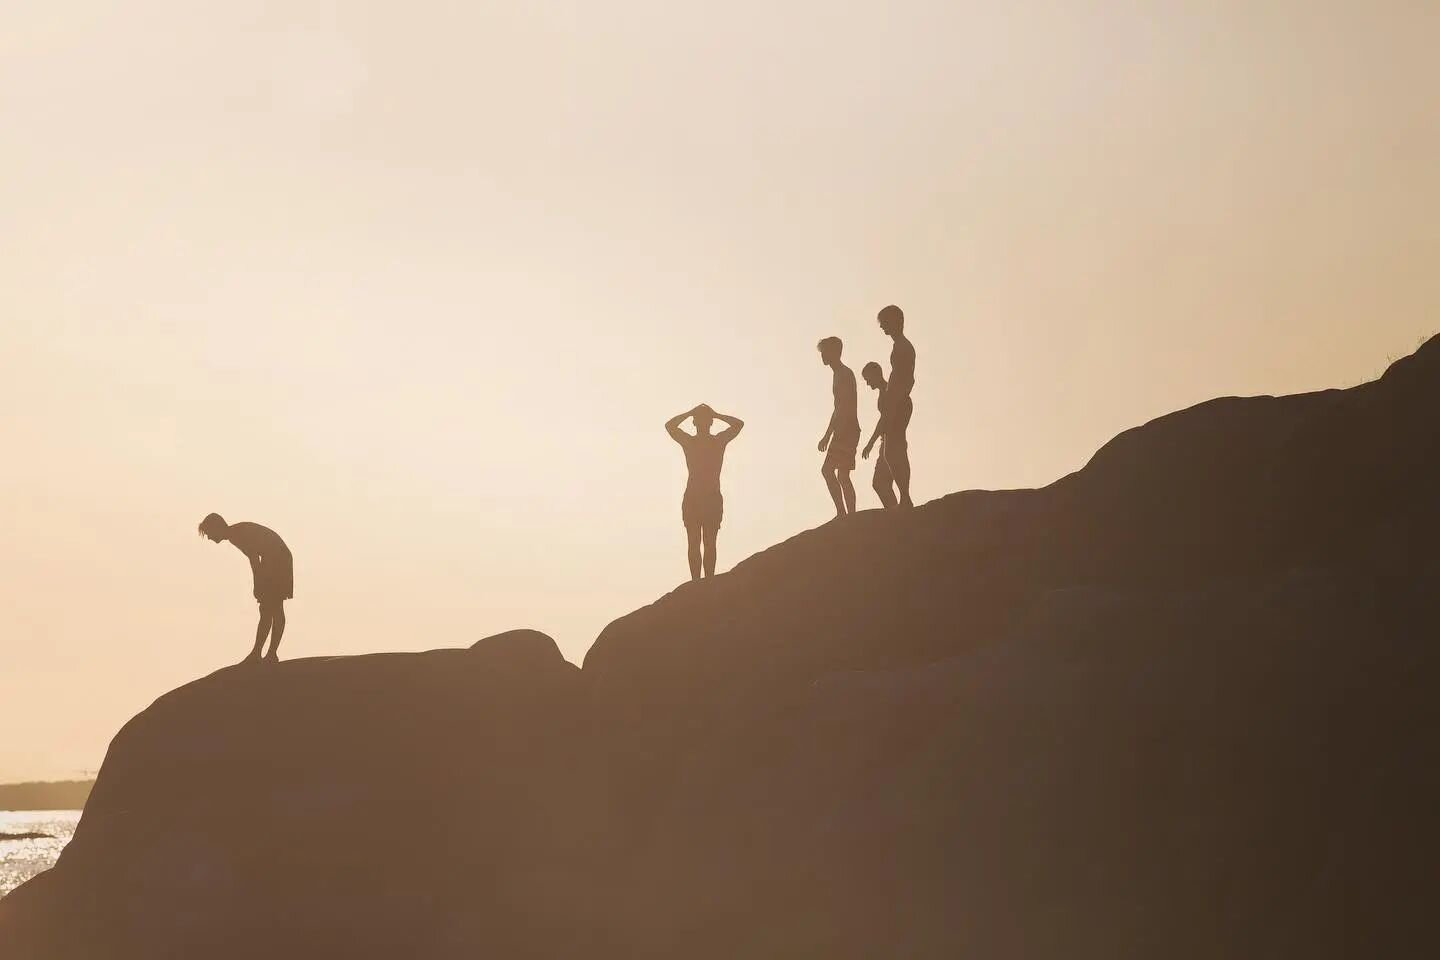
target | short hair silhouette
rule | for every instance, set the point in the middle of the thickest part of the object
(273, 571)
(898, 405)
(842, 432)
(703, 507)
(884, 481)
(212, 524)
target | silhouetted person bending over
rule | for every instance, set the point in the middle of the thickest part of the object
(883, 483)
(703, 507)
(274, 572)
(902, 381)
(842, 434)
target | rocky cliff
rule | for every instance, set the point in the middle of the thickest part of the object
(1177, 704)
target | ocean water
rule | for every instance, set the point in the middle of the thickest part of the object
(22, 859)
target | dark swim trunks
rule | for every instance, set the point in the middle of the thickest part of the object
(702, 508)
(275, 580)
(840, 455)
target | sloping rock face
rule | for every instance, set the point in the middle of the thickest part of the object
(1178, 704)
(383, 805)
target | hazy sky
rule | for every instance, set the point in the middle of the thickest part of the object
(417, 285)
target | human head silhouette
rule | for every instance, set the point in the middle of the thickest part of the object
(830, 349)
(704, 418)
(214, 527)
(874, 375)
(892, 320)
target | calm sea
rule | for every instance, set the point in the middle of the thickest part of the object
(22, 859)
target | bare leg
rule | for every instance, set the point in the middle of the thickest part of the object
(897, 455)
(710, 534)
(262, 630)
(885, 490)
(832, 482)
(692, 534)
(848, 489)
(277, 630)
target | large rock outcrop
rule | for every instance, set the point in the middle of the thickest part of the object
(1176, 704)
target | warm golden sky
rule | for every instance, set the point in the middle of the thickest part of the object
(417, 284)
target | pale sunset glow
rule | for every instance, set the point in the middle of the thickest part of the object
(418, 285)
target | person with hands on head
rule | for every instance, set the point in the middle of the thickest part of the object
(703, 506)
(883, 483)
(274, 576)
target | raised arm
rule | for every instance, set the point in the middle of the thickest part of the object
(734, 423)
(672, 427)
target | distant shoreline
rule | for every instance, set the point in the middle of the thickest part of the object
(50, 795)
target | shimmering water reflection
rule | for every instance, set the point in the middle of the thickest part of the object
(22, 859)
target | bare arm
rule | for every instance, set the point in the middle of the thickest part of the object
(672, 427)
(254, 559)
(734, 423)
(879, 429)
(829, 432)
(879, 432)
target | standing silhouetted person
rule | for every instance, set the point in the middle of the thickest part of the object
(274, 573)
(900, 407)
(883, 483)
(842, 434)
(703, 507)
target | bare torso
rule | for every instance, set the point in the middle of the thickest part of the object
(258, 542)
(902, 368)
(704, 456)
